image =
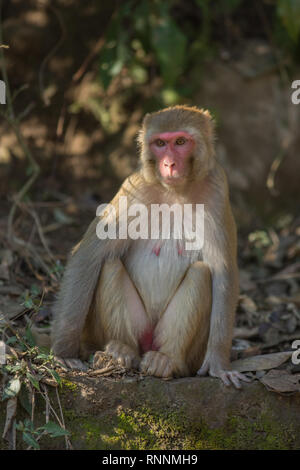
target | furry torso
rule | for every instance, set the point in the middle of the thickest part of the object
(152, 264)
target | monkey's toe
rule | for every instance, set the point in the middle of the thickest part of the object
(156, 364)
(70, 363)
(231, 377)
(123, 354)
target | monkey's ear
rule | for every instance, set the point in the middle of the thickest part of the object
(141, 134)
(146, 119)
(209, 123)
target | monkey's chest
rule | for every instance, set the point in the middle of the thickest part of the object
(156, 269)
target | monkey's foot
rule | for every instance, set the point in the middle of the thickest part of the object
(123, 354)
(157, 364)
(70, 363)
(228, 377)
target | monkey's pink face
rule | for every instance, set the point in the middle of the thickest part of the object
(172, 151)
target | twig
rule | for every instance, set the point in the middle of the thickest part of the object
(68, 443)
(61, 423)
(82, 69)
(35, 217)
(51, 53)
(44, 388)
(32, 403)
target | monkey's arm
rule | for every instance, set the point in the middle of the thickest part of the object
(79, 282)
(219, 252)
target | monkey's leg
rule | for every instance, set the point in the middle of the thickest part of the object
(118, 317)
(181, 334)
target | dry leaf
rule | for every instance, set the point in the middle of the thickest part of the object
(6, 257)
(281, 381)
(245, 332)
(246, 283)
(247, 304)
(11, 409)
(261, 362)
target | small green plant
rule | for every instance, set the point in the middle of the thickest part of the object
(259, 242)
(31, 436)
(28, 371)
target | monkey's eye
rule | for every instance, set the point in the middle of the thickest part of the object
(180, 141)
(159, 143)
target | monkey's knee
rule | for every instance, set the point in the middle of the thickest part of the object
(199, 275)
(111, 268)
(200, 269)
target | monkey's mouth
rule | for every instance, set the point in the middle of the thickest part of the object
(172, 180)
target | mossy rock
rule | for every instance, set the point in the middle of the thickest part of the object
(190, 413)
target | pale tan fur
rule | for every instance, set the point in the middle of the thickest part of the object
(113, 290)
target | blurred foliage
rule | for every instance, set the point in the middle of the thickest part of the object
(289, 13)
(172, 39)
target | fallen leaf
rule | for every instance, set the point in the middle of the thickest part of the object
(261, 362)
(11, 409)
(245, 332)
(6, 257)
(247, 304)
(281, 381)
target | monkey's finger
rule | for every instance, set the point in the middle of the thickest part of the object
(225, 379)
(144, 365)
(153, 368)
(167, 372)
(203, 370)
(165, 368)
(234, 379)
(243, 377)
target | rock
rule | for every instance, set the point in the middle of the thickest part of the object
(189, 413)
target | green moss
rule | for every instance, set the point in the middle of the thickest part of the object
(68, 386)
(242, 433)
(145, 429)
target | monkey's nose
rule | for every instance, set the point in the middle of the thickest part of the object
(170, 166)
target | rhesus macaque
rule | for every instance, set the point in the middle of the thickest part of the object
(150, 303)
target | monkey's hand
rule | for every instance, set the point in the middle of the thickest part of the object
(123, 354)
(227, 375)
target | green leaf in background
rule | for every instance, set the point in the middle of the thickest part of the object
(54, 430)
(55, 376)
(29, 303)
(33, 380)
(29, 337)
(169, 44)
(289, 13)
(24, 399)
(34, 290)
(29, 439)
(107, 59)
(115, 53)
